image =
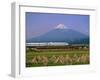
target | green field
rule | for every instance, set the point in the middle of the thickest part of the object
(55, 58)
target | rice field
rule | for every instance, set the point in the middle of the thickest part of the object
(55, 57)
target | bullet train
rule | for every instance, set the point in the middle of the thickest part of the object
(47, 44)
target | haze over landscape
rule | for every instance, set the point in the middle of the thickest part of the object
(56, 27)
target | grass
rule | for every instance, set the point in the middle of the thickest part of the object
(55, 58)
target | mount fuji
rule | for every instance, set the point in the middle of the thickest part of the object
(61, 33)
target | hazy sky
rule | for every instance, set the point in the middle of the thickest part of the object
(40, 23)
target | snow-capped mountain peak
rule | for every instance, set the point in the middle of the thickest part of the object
(61, 26)
(61, 33)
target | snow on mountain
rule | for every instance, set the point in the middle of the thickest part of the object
(61, 26)
(61, 33)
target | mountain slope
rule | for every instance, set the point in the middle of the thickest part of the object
(61, 35)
